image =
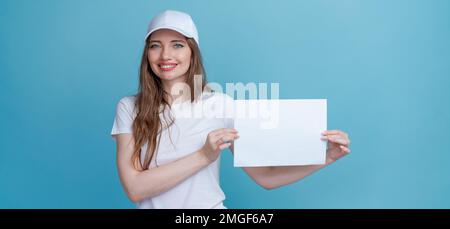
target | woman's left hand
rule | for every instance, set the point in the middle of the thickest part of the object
(338, 144)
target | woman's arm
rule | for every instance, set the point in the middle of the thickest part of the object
(140, 184)
(147, 183)
(274, 177)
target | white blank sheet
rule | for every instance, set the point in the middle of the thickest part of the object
(280, 132)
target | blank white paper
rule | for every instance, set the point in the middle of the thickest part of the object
(280, 132)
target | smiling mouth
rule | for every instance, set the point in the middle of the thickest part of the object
(167, 67)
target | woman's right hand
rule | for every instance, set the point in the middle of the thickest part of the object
(217, 141)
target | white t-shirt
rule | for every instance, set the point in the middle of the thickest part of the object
(192, 123)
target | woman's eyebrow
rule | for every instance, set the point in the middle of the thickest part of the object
(170, 41)
(178, 41)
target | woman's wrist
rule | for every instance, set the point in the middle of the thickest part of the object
(203, 157)
(329, 160)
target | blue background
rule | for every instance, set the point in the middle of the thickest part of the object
(382, 65)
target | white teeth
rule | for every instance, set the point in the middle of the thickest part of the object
(168, 66)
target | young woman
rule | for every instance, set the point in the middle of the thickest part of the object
(169, 162)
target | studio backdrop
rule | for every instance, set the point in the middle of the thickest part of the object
(383, 66)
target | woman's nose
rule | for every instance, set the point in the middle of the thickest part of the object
(166, 53)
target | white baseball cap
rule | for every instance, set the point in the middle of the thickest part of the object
(174, 20)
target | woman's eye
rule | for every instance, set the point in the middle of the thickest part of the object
(178, 45)
(154, 46)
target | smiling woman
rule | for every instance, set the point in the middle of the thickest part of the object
(165, 162)
(169, 56)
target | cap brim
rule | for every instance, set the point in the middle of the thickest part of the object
(168, 27)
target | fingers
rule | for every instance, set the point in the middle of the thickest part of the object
(224, 146)
(334, 132)
(223, 131)
(336, 136)
(326, 132)
(345, 149)
(220, 133)
(226, 138)
(336, 139)
(222, 138)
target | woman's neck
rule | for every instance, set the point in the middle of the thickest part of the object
(179, 94)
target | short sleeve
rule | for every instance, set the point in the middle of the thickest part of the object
(123, 122)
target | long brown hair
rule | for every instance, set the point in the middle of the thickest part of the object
(151, 100)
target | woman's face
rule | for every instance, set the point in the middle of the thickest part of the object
(169, 55)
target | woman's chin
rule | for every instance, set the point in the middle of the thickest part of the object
(169, 76)
(166, 76)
